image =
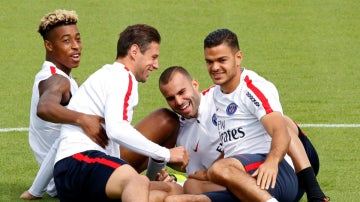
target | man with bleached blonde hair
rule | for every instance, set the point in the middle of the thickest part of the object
(52, 90)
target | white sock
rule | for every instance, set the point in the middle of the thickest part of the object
(272, 200)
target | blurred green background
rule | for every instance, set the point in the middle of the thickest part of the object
(308, 49)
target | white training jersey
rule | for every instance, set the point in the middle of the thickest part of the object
(112, 93)
(200, 135)
(42, 134)
(239, 114)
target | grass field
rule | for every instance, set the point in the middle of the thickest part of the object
(309, 49)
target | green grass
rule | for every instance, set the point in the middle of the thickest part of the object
(309, 49)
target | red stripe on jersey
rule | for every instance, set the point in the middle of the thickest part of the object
(103, 161)
(53, 70)
(127, 97)
(253, 166)
(259, 94)
(207, 90)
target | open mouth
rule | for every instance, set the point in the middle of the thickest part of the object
(185, 106)
(76, 57)
(184, 109)
(216, 75)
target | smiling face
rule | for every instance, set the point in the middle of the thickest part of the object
(63, 47)
(182, 95)
(146, 62)
(223, 65)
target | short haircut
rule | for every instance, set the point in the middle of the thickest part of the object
(139, 34)
(169, 72)
(54, 19)
(221, 36)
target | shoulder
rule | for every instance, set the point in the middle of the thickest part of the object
(55, 82)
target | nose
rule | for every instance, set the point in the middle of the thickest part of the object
(214, 66)
(178, 100)
(156, 64)
(75, 44)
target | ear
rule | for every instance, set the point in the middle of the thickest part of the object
(238, 57)
(195, 84)
(134, 50)
(48, 45)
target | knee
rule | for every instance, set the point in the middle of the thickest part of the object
(142, 179)
(220, 170)
(176, 189)
(191, 186)
(137, 180)
(133, 176)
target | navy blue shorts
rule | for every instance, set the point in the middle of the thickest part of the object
(225, 195)
(286, 186)
(83, 176)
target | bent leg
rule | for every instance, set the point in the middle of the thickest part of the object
(159, 190)
(195, 186)
(230, 172)
(310, 151)
(161, 127)
(301, 152)
(171, 188)
(127, 184)
(296, 148)
(187, 198)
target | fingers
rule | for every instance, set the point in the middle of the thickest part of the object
(265, 179)
(273, 182)
(101, 119)
(186, 158)
(164, 176)
(104, 139)
(265, 182)
(100, 136)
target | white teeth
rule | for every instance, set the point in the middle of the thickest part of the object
(185, 106)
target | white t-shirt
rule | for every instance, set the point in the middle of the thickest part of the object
(112, 93)
(200, 136)
(42, 134)
(239, 113)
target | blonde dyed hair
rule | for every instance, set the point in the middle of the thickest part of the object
(57, 18)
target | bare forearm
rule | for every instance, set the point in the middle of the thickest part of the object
(276, 128)
(58, 114)
(279, 147)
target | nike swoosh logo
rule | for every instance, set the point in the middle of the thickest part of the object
(197, 147)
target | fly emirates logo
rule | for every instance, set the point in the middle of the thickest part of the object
(228, 135)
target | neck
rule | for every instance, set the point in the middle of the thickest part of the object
(127, 62)
(66, 70)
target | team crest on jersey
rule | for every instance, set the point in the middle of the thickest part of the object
(231, 109)
(214, 119)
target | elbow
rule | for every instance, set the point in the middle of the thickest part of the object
(42, 111)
